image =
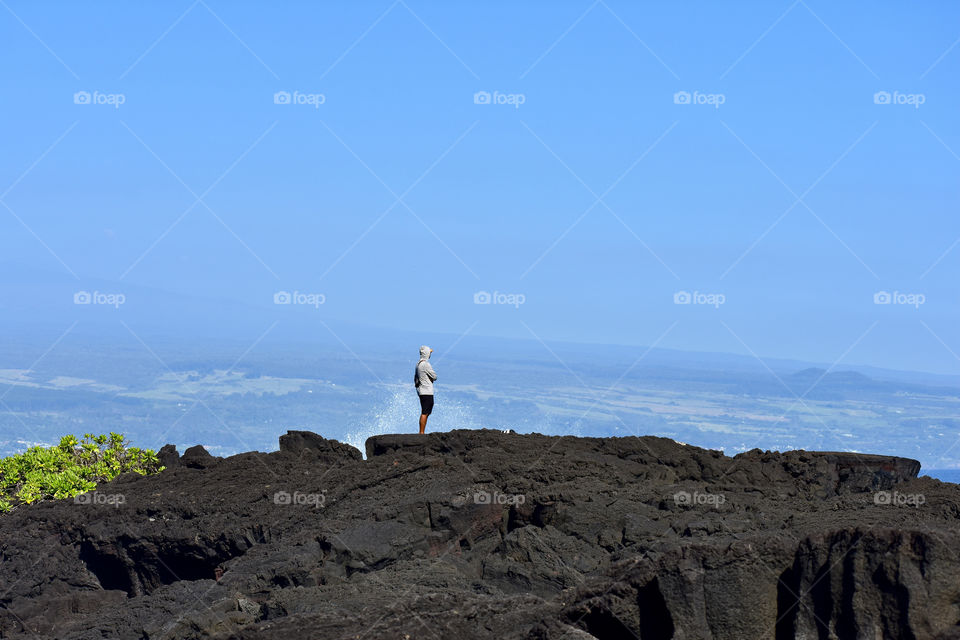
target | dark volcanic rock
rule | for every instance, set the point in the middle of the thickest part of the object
(864, 471)
(485, 534)
(168, 456)
(299, 441)
(196, 457)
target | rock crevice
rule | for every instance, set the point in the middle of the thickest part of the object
(482, 534)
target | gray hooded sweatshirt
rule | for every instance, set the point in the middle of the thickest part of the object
(425, 373)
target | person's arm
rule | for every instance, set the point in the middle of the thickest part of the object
(430, 372)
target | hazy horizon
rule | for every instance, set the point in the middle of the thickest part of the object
(781, 167)
(198, 319)
(605, 217)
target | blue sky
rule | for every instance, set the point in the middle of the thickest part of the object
(786, 187)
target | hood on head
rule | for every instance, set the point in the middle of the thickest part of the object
(425, 352)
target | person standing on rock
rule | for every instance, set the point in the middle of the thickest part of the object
(423, 379)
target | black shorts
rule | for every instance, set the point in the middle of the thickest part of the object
(426, 405)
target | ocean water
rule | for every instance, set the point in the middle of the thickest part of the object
(400, 412)
(945, 475)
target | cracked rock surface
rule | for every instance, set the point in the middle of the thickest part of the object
(485, 534)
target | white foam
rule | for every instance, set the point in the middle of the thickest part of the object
(400, 413)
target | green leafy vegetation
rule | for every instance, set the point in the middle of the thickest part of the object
(70, 468)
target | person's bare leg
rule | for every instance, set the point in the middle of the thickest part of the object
(423, 423)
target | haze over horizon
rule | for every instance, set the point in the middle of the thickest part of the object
(782, 167)
(502, 319)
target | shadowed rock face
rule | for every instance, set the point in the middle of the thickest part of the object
(484, 534)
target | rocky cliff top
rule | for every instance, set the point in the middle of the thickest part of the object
(480, 534)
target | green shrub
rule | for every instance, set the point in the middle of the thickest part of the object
(70, 468)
